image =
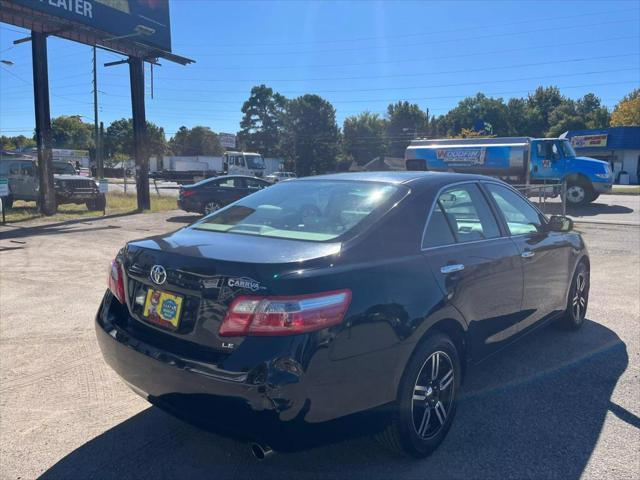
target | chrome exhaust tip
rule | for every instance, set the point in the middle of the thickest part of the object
(261, 451)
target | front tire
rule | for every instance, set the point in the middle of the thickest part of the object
(578, 302)
(426, 401)
(579, 194)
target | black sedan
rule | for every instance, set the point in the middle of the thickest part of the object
(330, 295)
(211, 194)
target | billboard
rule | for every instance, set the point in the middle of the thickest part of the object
(227, 140)
(143, 21)
(586, 141)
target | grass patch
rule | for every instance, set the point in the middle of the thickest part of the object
(626, 189)
(117, 203)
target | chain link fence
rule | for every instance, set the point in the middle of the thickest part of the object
(550, 198)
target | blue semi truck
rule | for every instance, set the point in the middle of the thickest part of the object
(517, 160)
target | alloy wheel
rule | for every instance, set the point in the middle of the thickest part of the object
(211, 207)
(433, 394)
(579, 300)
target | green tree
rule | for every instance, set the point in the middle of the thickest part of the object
(311, 136)
(405, 121)
(195, 141)
(627, 111)
(542, 102)
(564, 117)
(262, 124)
(363, 137)
(119, 138)
(521, 119)
(16, 143)
(592, 112)
(71, 132)
(477, 109)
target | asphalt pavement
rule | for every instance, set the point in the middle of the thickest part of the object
(558, 404)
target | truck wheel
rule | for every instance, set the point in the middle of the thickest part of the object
(594, 196)
(578, 194)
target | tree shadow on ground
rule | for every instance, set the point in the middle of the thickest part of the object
(534, 410)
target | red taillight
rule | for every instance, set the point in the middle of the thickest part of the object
(284, 315)
(187, 193)
(115, 280)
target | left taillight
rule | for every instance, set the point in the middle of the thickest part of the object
(264, 316)
(115, 281)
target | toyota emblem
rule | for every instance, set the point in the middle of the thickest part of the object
(158, 274)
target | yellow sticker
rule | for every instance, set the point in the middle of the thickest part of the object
(162, 307)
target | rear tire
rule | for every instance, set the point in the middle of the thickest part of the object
(426, 402)
(578, 301)
(210, 207)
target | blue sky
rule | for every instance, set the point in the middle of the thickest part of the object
(358, 55)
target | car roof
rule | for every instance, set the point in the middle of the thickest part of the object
(410, 178)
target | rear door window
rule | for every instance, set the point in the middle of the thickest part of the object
(467, 213)
(253, 184)
(520, 216)
(227, 183)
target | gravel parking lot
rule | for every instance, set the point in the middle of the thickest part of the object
(557, 405)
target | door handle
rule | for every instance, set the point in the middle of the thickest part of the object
(527, 254)
(451, 268)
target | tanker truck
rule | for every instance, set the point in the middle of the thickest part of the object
(517, 160)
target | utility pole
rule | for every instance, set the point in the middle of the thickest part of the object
(96, 132)
(47, 196)
(140, 139)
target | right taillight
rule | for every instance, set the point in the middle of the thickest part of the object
(263, 316)
(115, 281)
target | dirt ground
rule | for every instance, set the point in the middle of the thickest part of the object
(556, 405)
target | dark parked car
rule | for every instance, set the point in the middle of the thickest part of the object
(318, 298)
(211, 194)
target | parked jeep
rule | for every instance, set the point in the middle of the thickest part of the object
(22, 173)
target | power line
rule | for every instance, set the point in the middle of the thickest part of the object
(415, 59)
(429, 43)
(408, 35)
(398, 75)
(386, 89)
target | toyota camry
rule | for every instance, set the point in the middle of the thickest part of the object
(327, 296)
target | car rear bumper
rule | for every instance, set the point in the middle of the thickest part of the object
(189, 205)
(159, 375)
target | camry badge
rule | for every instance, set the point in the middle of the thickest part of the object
(158, 274)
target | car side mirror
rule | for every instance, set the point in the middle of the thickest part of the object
(560, 223)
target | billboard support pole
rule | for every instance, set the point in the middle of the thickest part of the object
(140, 139)
(47, 196)
(96, 131)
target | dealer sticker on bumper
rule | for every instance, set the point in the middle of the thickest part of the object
(163, 308)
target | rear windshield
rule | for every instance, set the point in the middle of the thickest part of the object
(314, 210)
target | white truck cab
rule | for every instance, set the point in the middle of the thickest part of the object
(244, 163)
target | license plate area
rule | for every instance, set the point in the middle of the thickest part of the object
(163, 308)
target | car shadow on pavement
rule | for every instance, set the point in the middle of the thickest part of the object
(13, 230)
(188, 218)
(594, 209)
(534, 410)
